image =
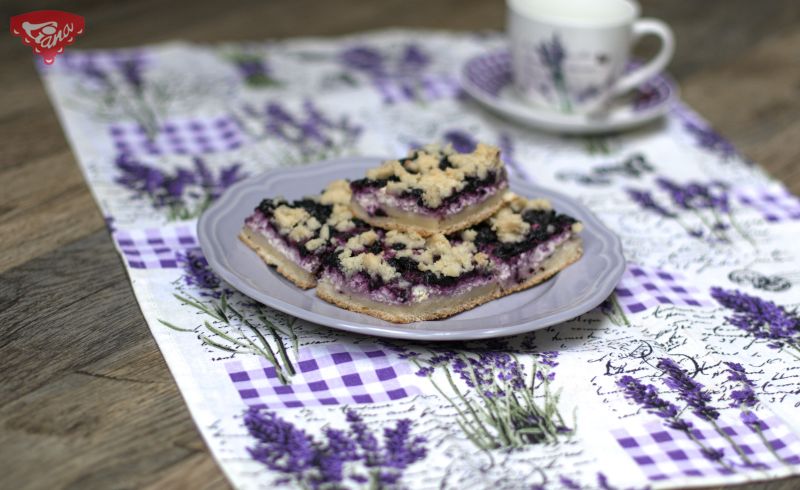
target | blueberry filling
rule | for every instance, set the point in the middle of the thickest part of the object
(445, 163)
(545, 225)
(365, 184)
(473, 187)
(320, 211)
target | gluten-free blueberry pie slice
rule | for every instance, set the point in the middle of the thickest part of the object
(294, 236)
(403, 277)
(527, 242)
(432, 190)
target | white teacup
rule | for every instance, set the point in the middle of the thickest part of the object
(570, 55)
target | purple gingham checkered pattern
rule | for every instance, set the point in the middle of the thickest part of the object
(154, 248)
(774, 203)
(327, 375)
(663, 453)
(181, 137)
(641, 288)
(428, 88)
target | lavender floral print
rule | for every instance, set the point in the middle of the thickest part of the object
(340, 458)
(183, 192)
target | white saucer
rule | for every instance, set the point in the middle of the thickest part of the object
(487, 78)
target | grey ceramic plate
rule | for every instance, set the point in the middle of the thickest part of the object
(570, 293)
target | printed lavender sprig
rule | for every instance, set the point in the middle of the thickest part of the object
(499, 402)
(229, 333)
(308, 132)
(338, 459)
(230, 330)
(648, 397)
(254, 69)
(707, 138)
(698, 400)
(405, 67)
(552, 55)
(198, 274)
(119, 83)
(706, 202)
(612, 309)
(185, 192)
(570, 483)
(745, 400)
(762, 319)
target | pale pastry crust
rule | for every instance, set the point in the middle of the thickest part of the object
(443, 307)
(435, 309)
(284, 265)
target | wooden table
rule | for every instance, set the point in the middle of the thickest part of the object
(86, 400)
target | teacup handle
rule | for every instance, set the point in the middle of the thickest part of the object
(642, 28)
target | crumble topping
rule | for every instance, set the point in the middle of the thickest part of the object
(361, 241)
(337, 192)
(315, 243)
(341, 219)
(408, 239)
(519, 203)
(469, 235)
(443, 258)
(435, 255)
(509, 226)
(436, 173)
(370, 263)
(295, 222)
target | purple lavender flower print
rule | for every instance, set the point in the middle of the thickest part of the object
(132, 71)
(405, 67)
(254, 70)
(648, 397)
(698, 398)
(646, 201)
(409, 63)
(505, 404)
(197, 273)
(688, 389)
(185, 193)
(760, 318)
(313, 463)
(309, 132)
(746, 400)
(707, 138)
(118, 80)
(709, 203)
(364, 58)
(552, 55)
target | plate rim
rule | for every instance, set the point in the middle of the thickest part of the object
(538, 119)
(229, 201)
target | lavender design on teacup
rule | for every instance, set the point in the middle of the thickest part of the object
(551, 54)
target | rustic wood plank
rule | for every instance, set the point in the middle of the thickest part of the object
(755, 101)
(82, 376)
(45, 204)
(86, 400)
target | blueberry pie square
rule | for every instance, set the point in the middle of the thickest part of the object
(294, 236)
(432, 190)
(404, 277)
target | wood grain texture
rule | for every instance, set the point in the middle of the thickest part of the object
(86, 400)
